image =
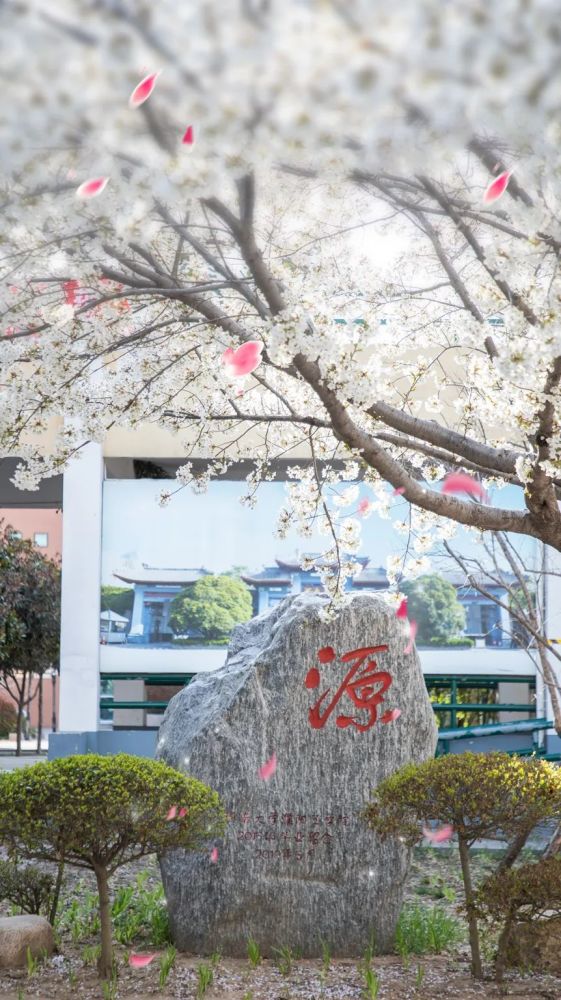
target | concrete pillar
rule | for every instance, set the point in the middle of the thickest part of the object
(80, 596)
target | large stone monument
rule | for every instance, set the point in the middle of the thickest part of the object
(304, 719)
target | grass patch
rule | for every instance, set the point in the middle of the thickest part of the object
(425, 930)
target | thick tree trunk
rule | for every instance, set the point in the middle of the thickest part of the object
(19, 718)
(476, 967)
(105, 963)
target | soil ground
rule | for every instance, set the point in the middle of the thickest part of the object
(435, 880)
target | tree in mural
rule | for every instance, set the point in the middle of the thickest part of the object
(432, 602)
(212, 606)
(118, 599)
(29, 620)
(150, 232)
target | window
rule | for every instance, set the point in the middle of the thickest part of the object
(41, 539)
(15, 534)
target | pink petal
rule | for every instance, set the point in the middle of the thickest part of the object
(438, 836)
(214, 855)
(391, 715)
(402, 609)
(412, 634)
(140, 961)
(188, 137)
(142, 91)
(268, 769)
(460, 482)
(364, 507)
(172, 813)
(182, 812)
(497, 187)
(398, 492)
(245, 359)
(93, 187)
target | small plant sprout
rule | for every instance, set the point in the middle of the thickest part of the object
(32, 963)
(205, 976)
(91, 953)
(420, 976)
(325, 955)
(371, 983)
(215, 959)
(167, 962)
(253, 953)
(285, 960)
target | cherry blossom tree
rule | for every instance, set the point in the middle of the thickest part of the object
(183, 182)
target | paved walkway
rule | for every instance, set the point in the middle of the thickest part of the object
(8, 761)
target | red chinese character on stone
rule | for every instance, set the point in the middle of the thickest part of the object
(364, 684)
(287, 819)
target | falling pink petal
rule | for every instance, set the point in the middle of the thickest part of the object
(398, 492)
(460, 482)
(402, 609)
(268, 769)
(364, 507)
(142, 91)
(391, 715)
(182, 812)
(140, 961)
(497, 187)
(412, 634)
(245, 359)
(172, 813)
(188, 137)
(93, 187)
(214, 855)
(438, 836)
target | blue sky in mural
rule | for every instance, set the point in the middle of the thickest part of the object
(214, 531)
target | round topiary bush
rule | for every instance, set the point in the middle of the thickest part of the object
(479, 795)
(100, 813)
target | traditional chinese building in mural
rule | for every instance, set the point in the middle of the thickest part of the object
(485, 620)
(154, 589)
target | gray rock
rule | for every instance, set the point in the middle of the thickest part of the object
(298, 865)
(17, 934)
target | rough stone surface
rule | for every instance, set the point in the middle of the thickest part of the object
(297, 864)
(536, 945)
(17, 934)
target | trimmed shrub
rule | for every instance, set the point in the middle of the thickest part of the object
(100, 813)
(519, 895)
(479, 795)
(27, 886)
(452, 642)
